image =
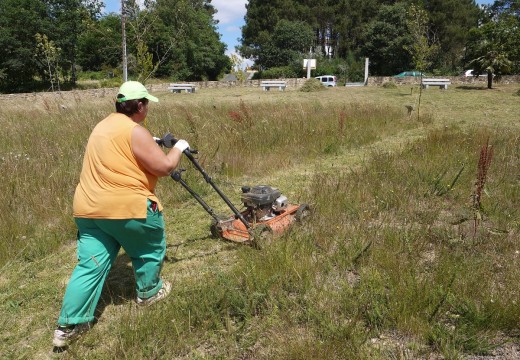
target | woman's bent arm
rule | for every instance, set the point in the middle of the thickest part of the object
(151, 156)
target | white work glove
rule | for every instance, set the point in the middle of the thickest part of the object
(181, 145)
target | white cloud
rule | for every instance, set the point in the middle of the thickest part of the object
(229, 11)
(233, 29)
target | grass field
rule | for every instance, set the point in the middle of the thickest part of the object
(412, 250)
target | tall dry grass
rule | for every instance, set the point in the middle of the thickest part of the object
(42, 149)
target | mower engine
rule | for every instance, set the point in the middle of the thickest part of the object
(263, 202)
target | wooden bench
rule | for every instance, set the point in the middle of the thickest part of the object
(268, 84)
(177, 88)
(441, 83)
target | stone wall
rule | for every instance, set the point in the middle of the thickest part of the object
(291, 83)
(112, 92)
(455, 80)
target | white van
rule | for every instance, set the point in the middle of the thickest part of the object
(327, 80)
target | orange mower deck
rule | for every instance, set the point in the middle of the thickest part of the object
(234, 230)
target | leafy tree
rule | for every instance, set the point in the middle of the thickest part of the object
(69, 19)
(289, 42)
(343, 27)
(493, 62)
(450, 21)
(423, 46)
(185, 40)
(60, 21)
(260, 21)
(337, 24)
(50, 54)
(236, 65)
(424, 43)
(493, 47)
(20, 20)
(350, 18)
(505, 7)
(99, 46)
(323, 21)
(488, 52)
(139, 26)
(385, 39)
(505, 15)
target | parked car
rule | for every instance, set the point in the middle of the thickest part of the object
(469, 73)
(410, 73)
(327, 80)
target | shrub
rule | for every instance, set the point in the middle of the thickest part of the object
(312, 85)
(95, 75)
(389, 85)
(109, 83)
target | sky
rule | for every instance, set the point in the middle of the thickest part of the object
(230, 14)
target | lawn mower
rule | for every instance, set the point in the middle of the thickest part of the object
(267, 212)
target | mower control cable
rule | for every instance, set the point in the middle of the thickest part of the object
(169, 141)
(177, 176)
(238, 215)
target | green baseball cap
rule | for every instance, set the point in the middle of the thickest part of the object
(133, 90)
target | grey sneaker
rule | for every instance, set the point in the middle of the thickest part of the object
(64, 335)
(163, 292)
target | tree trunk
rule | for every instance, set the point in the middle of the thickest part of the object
(490, 80)
(73, 73)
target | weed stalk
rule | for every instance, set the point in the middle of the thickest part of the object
(486, 154)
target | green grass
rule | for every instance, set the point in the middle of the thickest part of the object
(390, 265)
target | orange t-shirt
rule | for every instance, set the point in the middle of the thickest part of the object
(113, 185)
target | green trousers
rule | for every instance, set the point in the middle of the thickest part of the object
(99, 241)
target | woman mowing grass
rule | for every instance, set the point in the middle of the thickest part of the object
(115, 206)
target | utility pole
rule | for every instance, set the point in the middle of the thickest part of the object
(309, 64)
(125, 62)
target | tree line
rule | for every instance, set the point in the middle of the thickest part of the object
(440, 36)
(47, 44)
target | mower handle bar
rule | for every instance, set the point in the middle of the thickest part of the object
(177, 176)
(169, 141)
(207, 178)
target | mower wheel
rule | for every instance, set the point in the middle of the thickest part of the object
(261, 236)
(303, 212)
(214, 229)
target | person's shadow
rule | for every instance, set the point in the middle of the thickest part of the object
(119, 286)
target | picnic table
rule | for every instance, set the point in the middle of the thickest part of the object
(268, 84)
(177, 88)
(441, 83)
